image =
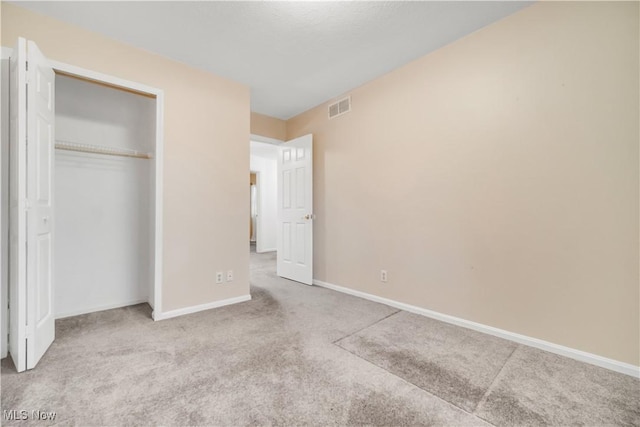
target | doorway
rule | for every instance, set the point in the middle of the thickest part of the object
(103, 245)
(263, 197)
(289, 218)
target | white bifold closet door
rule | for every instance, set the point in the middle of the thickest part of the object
(105, 248)
(31, 136)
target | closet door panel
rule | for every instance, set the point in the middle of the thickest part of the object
(17, 205)
(44, 308)
(40, 137)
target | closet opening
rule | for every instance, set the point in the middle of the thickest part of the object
(106, 185)
(84, 174)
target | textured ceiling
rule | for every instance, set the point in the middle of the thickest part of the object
(293, 55)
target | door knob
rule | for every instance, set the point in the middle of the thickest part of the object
(307, 216)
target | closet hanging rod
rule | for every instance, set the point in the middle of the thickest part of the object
(97, 149)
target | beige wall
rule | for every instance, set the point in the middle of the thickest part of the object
(206, 132)
(496, 179)
(268, 126)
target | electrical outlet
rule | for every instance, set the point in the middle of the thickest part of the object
(230, 276)
(383, 275)
(219, 277)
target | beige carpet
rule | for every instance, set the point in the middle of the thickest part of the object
(300, 355)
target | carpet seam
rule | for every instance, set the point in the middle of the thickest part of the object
(412, 384)
(495, 380)
(363, 328)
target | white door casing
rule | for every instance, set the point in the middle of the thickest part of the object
(157, 196)
(32, 327)
(295, 210)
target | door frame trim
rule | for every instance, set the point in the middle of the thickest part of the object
(258, 204)
(265, 139)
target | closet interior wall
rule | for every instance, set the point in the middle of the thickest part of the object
(104, 205)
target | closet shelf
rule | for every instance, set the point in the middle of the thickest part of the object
(98, 149)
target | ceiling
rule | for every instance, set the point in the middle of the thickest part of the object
(293, 55)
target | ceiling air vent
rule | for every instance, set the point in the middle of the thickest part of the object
(338, 108)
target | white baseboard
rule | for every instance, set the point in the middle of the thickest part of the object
(99, 308)
(201, 307)
(583, 356)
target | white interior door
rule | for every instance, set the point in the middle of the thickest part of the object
(32, 326)
(295, 210)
